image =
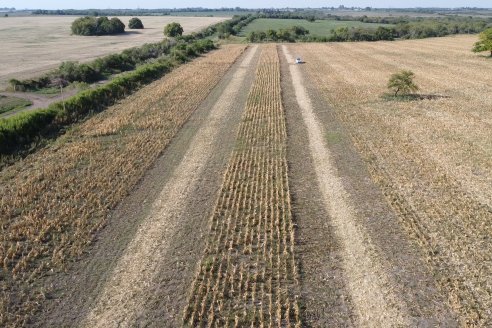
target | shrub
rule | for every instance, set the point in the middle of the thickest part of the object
(135, 23)
(97, 26)
(73, 71)
(299, 30)
(485, 43)
(402, 82)
(23, 128)
(173, 30)
(285, 35)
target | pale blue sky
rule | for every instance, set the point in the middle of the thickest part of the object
(58, 4)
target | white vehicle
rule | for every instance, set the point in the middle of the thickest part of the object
(298, 60)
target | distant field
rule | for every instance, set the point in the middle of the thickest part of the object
(36, 44)
(317, 28)
(224, 13)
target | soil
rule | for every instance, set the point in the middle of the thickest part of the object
(139, 271)
(348, 235)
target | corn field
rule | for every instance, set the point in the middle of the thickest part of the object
(248, 274)
(432, 158)
(428, 157)
(54, 201)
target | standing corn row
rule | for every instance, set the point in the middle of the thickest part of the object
(247, 276)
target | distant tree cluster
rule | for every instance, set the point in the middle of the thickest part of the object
(287, 35)
(344, 34)
(135, 24)
(97, 26)
(134, 12)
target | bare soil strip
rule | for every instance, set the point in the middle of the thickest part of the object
(121, 299)
(248, 276)
(370, 278)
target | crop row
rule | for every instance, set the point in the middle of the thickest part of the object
(54, 201)
(248, 274)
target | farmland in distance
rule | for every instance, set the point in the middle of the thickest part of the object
(36, 44)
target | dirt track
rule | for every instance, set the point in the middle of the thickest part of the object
(38, 101)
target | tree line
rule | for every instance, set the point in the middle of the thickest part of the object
(286, 35)
(134, 12)
(97, 26)
(397, 28)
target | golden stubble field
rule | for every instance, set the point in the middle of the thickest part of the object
(432, 158)
(35, 44)
(54, 201)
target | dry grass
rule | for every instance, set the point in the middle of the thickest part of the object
(54, 201)
(432, 158)
(37, 44)
(248, 275)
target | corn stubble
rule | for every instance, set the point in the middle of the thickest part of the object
(432, 158)
(248, 274)
(54, 201)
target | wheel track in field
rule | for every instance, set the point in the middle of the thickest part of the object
(123, 296)
(371, 291)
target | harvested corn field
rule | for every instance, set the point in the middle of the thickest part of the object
(248, 274)
(431, 157)
(38, 44)
(245, 190)
(54, 201)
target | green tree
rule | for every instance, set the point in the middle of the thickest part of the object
(384, 33)
(135, 23)
(402, 82)
(299, 30)
(285, 35)
(272, 35)
(97, 26)
(485, 43)
(173, 30)
(252, 36)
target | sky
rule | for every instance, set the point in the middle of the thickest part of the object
(151, 4)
